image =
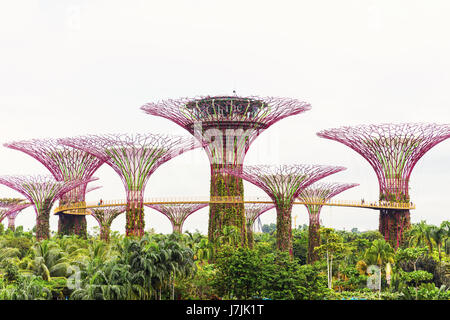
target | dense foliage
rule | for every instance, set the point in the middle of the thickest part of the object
(351, 265)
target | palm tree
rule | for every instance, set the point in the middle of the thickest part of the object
(382, 254)
(420, 234)
(438, 235)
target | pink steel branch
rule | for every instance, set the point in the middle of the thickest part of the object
(177, 213)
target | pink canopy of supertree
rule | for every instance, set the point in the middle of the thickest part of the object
(319, 192)
(226, 126)
(105, 216)
(13, 212)
(134, 158)
(177, 213)
(65, 164)
(283, 184)
(252, 212)
(392, 150)
(10, 208)
(221, 114)
(42, 192)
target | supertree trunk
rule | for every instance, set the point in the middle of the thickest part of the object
(313, 235)
(393, 224)
(43, 221)
(135, 213)
(226, 214)
(250, 238)
(105, 230)
(284, 227)
(11, 224)
(177, 228)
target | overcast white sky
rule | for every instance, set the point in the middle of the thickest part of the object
(76, 67)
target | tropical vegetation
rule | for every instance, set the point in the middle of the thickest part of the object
(352, 265)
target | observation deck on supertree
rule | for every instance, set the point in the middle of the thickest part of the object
(105, 217)
(65, 164)
(315, 194)
(177, 213)
(42, 191)
(392, 150)
(226, 127)
(134, 158)
(283, 184)
(252, 212)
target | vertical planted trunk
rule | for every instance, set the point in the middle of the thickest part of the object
(11, 223)
(43, 220)
(250, 239)
(177, 227)
(393, 225)
(226, 214)
(284, 227)
(135, 214)
(105, 230)
(313, 234)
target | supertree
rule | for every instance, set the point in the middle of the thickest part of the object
(314, 197)
(10, 208)
(42, 192)
(105, 216)
(283, 184)
(177, 213)
(65, 164)
(252, 212)
(134, 158)
(226, 127)
(13, 212)
(392, 150)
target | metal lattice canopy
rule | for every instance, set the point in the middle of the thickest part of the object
(323, 191)
(41, 190)
(391, 149)
(106, 215)
(177, 213)
(254, 210)
(133, 157)
(226, 125)
(64, 163)
(11, 210)
(284, 183)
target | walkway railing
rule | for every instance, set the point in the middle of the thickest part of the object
(80, 208)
